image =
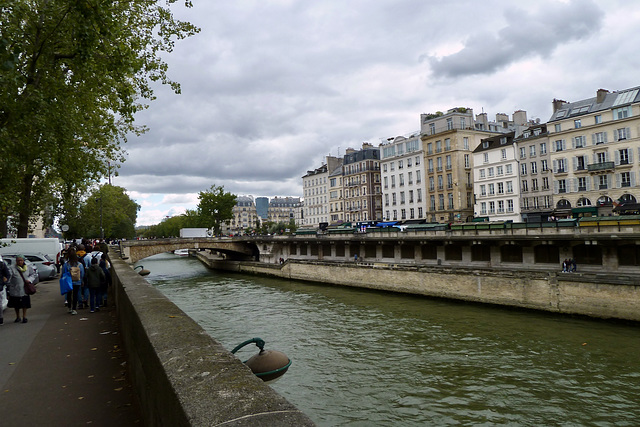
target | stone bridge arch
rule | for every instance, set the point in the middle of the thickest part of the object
(135, 250)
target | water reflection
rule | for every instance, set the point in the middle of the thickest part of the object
(364, 358)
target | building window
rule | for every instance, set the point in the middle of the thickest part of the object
(557, 127)
(448, 162)
(500, 206)
(483, 190)
(486, 157)
(417, 159)
(441, 201)
(624, 156)
(491, 189)
(582, 184)
(418, 177)
(429, 149)
(508, 169)
(449, 123)
(559, 145)
(598, 119)
(500, 188)
(523, 168)
(447, 144)
(490, 172)
(420, 212)
(562, 186)
(465, 143)
(438, 146)
(466, 161)
(543, 148)
(603, 182)
(545, 183)
(492, 207)
(503, 153)
(543, 165)
(483, 208)
(577, 123)
(625, 179)
(523, 153)
(450, 197)
(599, 138)
(432, 128)
(621, 113)
(579, 142)
(525, 186)
(534, 185)
(621, 134)
(482, 173)
(532, 150)
(499, 170)
(509, 187)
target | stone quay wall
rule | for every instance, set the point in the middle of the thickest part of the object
(604, 296)
(182, 376)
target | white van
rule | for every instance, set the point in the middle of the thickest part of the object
(17, 246)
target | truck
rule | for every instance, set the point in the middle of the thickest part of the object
(19, 246)
(195, 232)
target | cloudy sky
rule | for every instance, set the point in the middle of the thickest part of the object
(269, 88)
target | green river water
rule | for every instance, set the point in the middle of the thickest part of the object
(364, 358)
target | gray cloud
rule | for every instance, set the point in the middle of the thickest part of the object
(526, 34)
(270, 88)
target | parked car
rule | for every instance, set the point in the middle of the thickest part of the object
(46, 266)
(3, 295)
(11, 259)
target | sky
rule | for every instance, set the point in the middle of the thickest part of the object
(270, 88)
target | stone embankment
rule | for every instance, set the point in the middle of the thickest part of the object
(182, 376)
(597, 295)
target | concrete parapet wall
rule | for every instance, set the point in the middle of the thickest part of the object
(182, 376)
(602, 296)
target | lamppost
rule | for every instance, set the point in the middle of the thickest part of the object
(101, 229)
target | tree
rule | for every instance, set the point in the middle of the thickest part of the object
(107, 212)
(214, 207)
(73, 74)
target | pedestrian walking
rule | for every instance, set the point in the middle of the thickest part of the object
(5, 275)
(21, 273)
(95, 278)
(76, 269)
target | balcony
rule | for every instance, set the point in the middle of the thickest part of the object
(601, 166)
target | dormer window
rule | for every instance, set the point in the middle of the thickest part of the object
(536, 132)
(503, 140)
(485, 144)
(526, 134)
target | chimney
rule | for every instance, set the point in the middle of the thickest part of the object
(557, 104)
(520, 117)
(601, 94)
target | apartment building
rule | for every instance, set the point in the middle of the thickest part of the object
(361, 189)
(403, 190)
(536, 178)
(244, 216)
(315, 185)
(448, 141)
(336, 205)
(595, 146)
(495, 178)
(284, 209)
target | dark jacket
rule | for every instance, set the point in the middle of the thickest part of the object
(95, 276)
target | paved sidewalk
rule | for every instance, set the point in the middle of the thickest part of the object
(63, 370)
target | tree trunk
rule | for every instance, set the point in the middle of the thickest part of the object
(25, 205)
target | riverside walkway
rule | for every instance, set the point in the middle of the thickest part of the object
(64, 370)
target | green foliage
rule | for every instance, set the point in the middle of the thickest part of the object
(215, 207)
(73, 74)
(107, 205)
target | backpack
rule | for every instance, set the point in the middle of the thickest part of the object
(75, 273)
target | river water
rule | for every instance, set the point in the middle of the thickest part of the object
(365, 358)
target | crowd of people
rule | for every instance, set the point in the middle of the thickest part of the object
(569, 265)
(90, 276)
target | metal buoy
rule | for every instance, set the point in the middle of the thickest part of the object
(268, 365)
(143, 271)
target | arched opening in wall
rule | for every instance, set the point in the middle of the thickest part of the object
(510, 253)
(546, 254)
(563, 204)
(407, 251)
(453, 252)
(587, 254)
(429, 252)
(340, 250)
(605, 201)
(388, 251)
(629, 255)
(303, 249)
(627, 198)
(583, 201)
(480, 252)
(370, 251)
(293, 249)
(314, 249)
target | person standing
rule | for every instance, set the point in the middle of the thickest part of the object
(95, 277)
(5, 275)
(18, 299)
(76, 269)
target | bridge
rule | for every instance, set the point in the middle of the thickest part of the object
(237, 250)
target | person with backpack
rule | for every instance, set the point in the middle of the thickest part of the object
(104, 288)
(76, 269)
(85, 259)
(95, 278)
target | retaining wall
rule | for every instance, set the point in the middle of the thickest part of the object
(595, 295)
(184, 377)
